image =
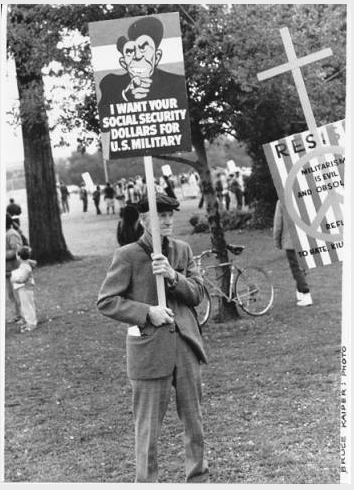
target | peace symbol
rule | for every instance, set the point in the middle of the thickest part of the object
(332, 200)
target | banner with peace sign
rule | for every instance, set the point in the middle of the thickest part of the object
(308, 174)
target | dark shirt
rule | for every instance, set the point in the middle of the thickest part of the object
(96, 195)
(109, 192)
(127, 233)
(13, 209)
(64, 191)
(83, 193)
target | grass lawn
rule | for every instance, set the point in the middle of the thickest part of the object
(271, 388)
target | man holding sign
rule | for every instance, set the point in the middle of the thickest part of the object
(164, 345)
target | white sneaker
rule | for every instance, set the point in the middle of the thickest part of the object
(306, 300)
(299, 295)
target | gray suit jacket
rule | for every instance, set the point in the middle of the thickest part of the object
(127, 293)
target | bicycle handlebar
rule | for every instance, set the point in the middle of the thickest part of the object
(234, 249)
(200, 256)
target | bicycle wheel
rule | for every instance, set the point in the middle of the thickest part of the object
(204, 308)
(254, 291)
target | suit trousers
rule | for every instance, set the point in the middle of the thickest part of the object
(150, 402)
(298, 273)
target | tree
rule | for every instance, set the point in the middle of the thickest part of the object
(271, 110)
(26, 39)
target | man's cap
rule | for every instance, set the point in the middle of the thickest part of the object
(149, 26)
(163, 203)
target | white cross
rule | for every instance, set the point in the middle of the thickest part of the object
(294, 65)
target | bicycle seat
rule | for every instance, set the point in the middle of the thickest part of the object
(235, 249)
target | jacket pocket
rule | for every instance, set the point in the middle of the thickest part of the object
(151, 356)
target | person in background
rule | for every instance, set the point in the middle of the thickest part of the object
(168, 187)
(109, 196)
(64, 197)
(120, 195)
(236, 189)
(14, 211)
(129, 227)
(57, 190)
(84, 197)
(133, 192)
(139, 183)
(96, 196)
(283, 242)
(23, 283)
(164, 344)
(144, 189)
(13, 244)
(20, 232)
(201, 200)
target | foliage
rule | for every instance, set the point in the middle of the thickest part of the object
(231, 220)
(224, 148)
(271, 110)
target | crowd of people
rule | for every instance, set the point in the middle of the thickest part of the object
(114, 197)
(230, 187)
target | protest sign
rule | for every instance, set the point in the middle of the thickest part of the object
(90, 186)
(166, 170)
(141, 92)
(308, 172)
(309, 180)
(140, 85)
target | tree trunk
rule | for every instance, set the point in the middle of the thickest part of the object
(45, 231)
(226, 310)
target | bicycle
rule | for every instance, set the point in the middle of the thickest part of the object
(250, 288)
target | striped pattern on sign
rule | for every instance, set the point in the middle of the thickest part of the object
(106, 58)
(106, 32)
(310, 192)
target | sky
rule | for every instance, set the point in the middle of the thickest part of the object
(12, 149)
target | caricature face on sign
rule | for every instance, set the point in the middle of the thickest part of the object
(140, 57)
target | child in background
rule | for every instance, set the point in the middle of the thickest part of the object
(23, 282)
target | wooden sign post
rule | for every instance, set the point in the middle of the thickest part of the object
(142, 99)
(154, 223)
(105, 170)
